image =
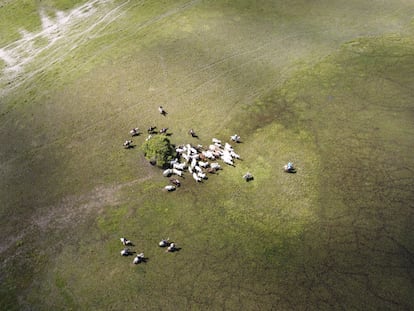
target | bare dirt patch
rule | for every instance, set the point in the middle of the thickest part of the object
(71, 211)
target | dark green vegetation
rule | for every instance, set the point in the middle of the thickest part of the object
(325, 84)
(158, 150)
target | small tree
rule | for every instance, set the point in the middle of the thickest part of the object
(158, 150)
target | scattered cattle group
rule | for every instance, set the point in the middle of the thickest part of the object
(171, 247)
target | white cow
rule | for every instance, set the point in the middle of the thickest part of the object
(179, 166)
(228, 147)
(235, 138)
(169, 188)
(171, 248)
(164, 242)
(167, 172)
(215, 166)
(125, 252)
(127, 144)
(208, 154)
(134, 131)
(234, 155)
(202, 175)
(125, 241)
(227, 160)
(196, 178)
(139, 258)
(177, 172)
(203, 164)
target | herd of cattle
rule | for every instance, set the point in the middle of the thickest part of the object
(199, 161)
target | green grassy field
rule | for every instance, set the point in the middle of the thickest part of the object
(325, 84)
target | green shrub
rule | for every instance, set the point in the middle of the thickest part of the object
(158, 150)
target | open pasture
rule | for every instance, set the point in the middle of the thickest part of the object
(324, 84)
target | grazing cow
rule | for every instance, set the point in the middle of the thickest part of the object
(171, 248)
(164, 243)
(148, 138)
(125, 241)
(134, 131)
(179, 166)
(203, 164)
(125, 252)
(163, 130)
(196, 178)
(177, 172)
(208, 154)
(172, 162)
(235, 138)
(192, 133)
(216, 141)
(168, 172)
(151, 129)
(227, 160)
(139, 258)
(195, 156)
(215, 166)
(169, 188)
(198, 169)
(202, 175)
(185, 156)
(175, 182)
(289, 168)
(162, 111)
(248, 176)
(234, 155)
(180, 149)
(228, 147)
(127, 144)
